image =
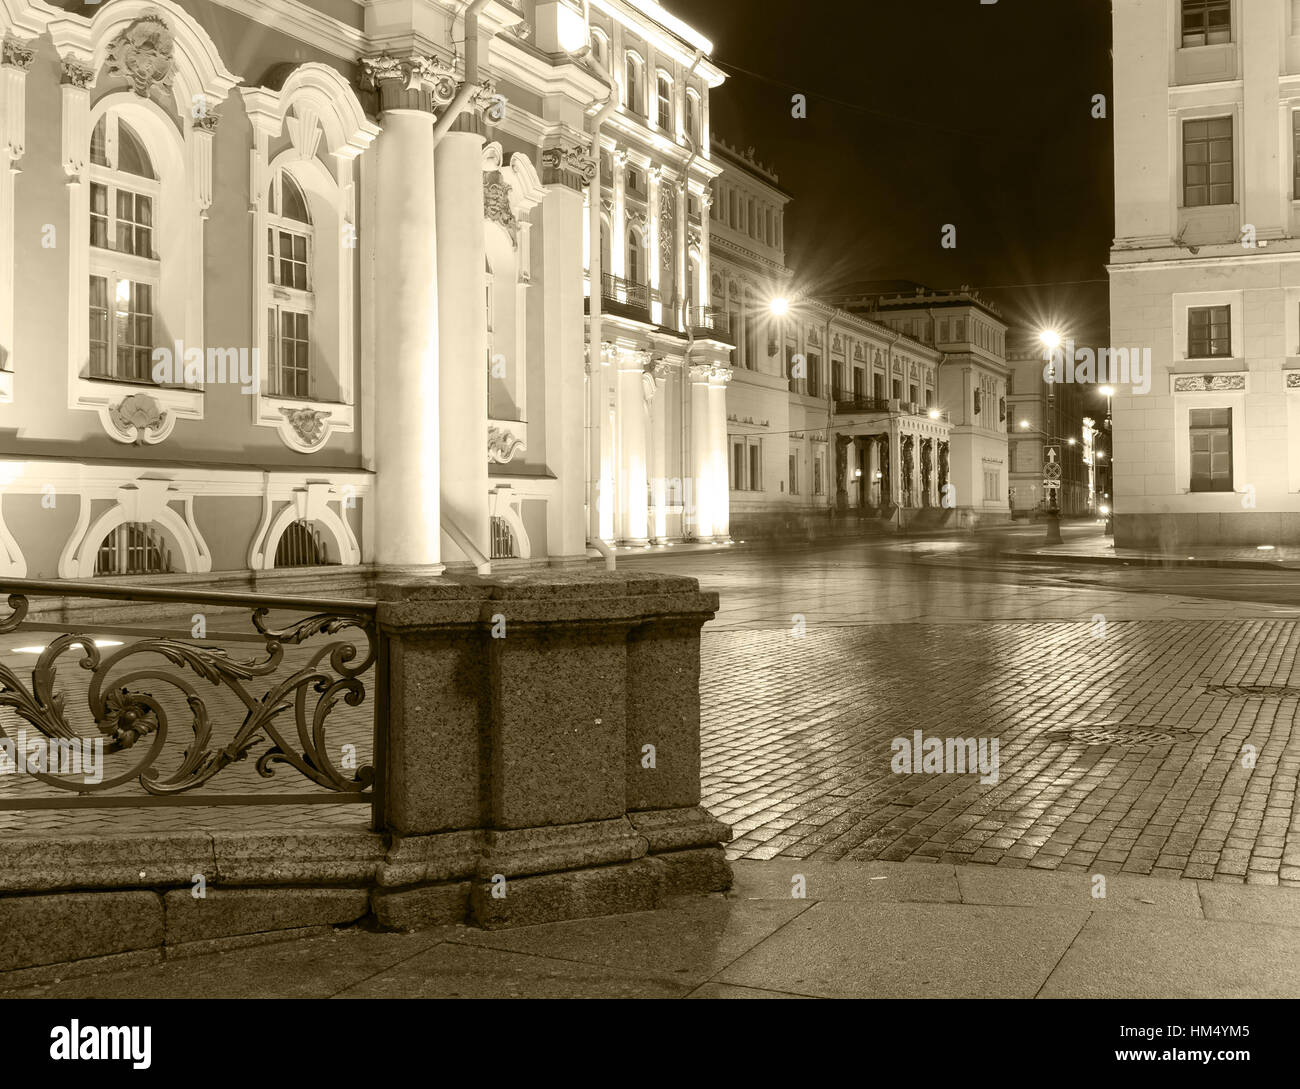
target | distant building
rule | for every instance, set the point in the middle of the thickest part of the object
(1042, 414)
(1205, 270)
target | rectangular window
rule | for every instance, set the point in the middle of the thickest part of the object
(911, 394)
(292, 371)
(789, 366)
(1206, 22)
(133, 330)
(878, 386)
(959, 329)
(1209, 332)
(665, 105)
(819, 479)
(99, 215)
(897, 393)
(288, 259)
(1207, 162)
(737, 466)
(837, 380)
(756, 467)
(1210, 431)
(814, 375)
(99, 339)
(134, 223)
(992, 485)
(794, 474)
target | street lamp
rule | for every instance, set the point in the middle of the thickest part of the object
(1051, 339)
(780, 306)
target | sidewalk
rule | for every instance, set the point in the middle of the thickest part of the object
(1097, 549)
(870, 929)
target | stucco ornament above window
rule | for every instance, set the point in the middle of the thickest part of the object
(140, 418)
(143, 54)
(308, 424)
(1208, 383)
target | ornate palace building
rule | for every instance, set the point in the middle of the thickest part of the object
(294, 285)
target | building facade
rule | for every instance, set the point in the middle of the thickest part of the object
(295, 286)
(1205, 271)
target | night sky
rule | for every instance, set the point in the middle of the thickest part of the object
(926, 112)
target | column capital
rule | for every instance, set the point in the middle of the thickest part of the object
(76, 72)
(568, 162)
(700, 373)
(634, 360)
(414, 81)
(17, 53)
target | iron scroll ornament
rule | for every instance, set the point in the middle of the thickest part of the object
(129, 718)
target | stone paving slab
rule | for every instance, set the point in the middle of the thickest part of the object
(843, 950)
(759, 942)
(1128, 956)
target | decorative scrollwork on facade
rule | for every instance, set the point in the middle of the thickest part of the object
(307, 423)
(140, 418)
(16, 53)
(76, 73)
(1208, 383)
(568, 164)
(496, 205)
(143, 55)
(503, 444)
(133, 724)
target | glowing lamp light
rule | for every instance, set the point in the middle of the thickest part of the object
(1105, 509)
(1108, 391)
(1264, 548)
(1050, 338)
(1024, 423)
(934, 413)
(38, 650)
(857, 472)
(570, 29)
(1071, 441)
(780, 307)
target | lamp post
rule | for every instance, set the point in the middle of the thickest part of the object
(1052, 467)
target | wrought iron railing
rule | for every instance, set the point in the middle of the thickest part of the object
(155, 733)
(615, 289)
(707, 320)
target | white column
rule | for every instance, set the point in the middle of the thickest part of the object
(659, 454)
(565, 169)
(14, 63)
(633, 523)
(706, 202)
(407, 454)
(702, 451)
(462, 326)
(718, 425)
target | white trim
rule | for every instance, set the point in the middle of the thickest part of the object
(310, 503)
(327, 120)
(145, 500)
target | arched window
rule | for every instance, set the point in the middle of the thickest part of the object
(633, 257)
(633, 90)
(133, 548)
(301, 545)
(665, 95)
(600, 47)
(693, 117)
(124, 267)
(289, 276)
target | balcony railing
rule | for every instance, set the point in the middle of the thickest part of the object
(163, 715)
(708, 322)
(859, 405)
(624, 293)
